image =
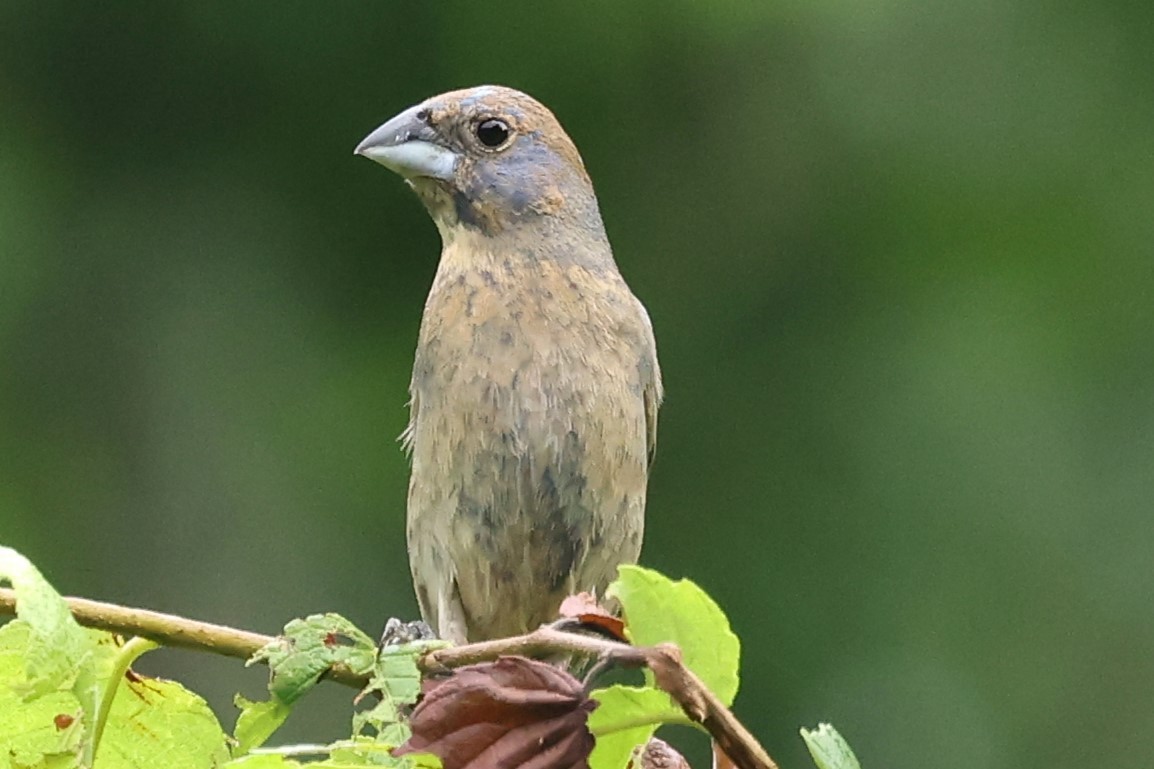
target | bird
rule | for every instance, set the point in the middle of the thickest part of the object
(535, 384)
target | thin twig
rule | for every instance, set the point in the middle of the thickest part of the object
(171, 630)
(541, 642)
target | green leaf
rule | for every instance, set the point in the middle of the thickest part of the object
(396, 674)
(41, 729)
(627, 717)
(52, 677)
(151, 723)
(257, 722)
(396, 682)
(423, 761)
(155, 722)
(659, 610)
(829, 749)
(57, 647)
(363, 751)
(53, 671)
(308, 648)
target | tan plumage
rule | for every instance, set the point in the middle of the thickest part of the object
(535, 386)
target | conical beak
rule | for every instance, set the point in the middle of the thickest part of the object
(409, 146)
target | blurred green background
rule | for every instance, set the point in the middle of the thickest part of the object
(898, 258)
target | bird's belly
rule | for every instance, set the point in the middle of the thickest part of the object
(529, 448)
(529, 470)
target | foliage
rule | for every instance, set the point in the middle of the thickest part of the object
(69, 694)
(658, 610)
(56, 702)
(829, 749)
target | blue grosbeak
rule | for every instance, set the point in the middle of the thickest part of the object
(535, 386)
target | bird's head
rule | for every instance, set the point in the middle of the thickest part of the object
(486, 158)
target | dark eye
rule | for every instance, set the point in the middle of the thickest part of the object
(492, 132)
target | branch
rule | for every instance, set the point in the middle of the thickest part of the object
(686, 689)
(171, 630)
(542, 642)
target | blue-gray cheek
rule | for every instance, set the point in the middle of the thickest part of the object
(519, 176)
(505, 187)
(518, 199)
(510, 184)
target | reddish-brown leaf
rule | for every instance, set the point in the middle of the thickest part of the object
(584, 608)
(514, 713)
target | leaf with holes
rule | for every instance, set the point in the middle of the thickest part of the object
(308, 648)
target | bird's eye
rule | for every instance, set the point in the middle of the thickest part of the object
(492, 132)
